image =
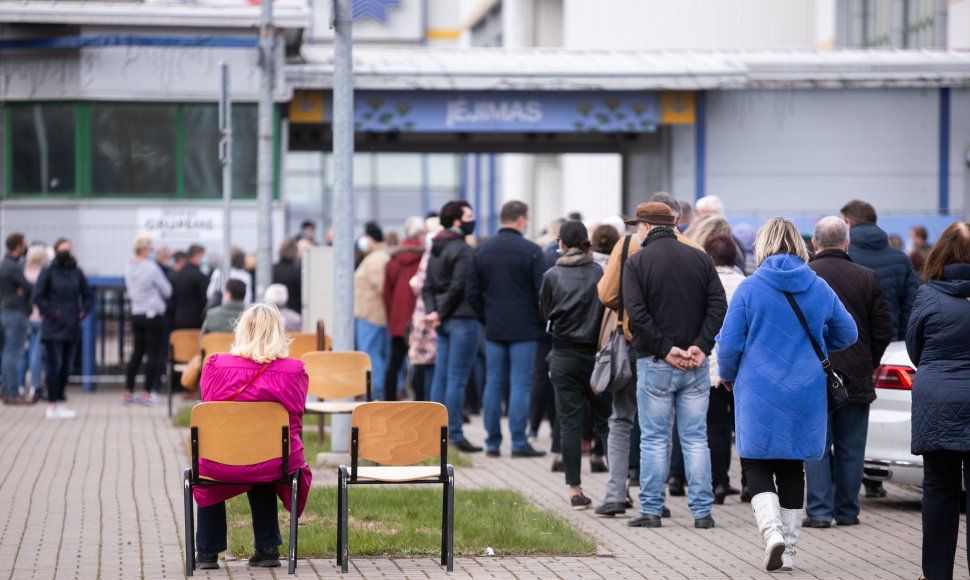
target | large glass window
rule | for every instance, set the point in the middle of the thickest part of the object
(42, 157)
(203, 171)
(133, 150)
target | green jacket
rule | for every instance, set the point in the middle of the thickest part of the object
(222, 318)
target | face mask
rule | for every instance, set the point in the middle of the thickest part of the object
(152, 256)
(204, 262)
(467, 228)
(62, 256)
(559, 251)
(362, 244)
(171, 263)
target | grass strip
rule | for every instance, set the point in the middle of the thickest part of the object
(397, 521)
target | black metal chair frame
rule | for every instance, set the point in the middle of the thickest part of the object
(191, 479)
(446, 479)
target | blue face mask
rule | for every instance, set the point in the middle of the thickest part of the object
(152, 256)
(559, 251)
(204, 262)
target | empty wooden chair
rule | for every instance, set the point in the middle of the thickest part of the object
(215, 343)
(336, 375)
(183, 345)
(397, 435)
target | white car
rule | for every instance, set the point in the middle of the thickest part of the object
(887, 445)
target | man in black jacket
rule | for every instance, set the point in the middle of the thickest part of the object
(862, 295)
(450, 315)
(503, 287)
(189, 286)
(675, 305)
(14, 307)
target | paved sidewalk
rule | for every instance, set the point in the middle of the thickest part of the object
(101, 497)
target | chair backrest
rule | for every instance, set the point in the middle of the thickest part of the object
(400, 433)
(183, 344)
(216, 343)
(303, 342)
(338, 375)
(239, 433)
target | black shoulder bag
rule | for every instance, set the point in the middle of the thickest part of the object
(836, 380)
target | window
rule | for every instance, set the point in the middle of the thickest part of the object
(891, 23)
(203, 170)
(42, 149)
(133, 150)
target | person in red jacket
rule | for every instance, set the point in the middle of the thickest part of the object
(399, 300)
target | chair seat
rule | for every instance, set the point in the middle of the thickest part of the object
(332, 406)
(400, 473)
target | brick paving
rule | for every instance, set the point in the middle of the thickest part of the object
(101, 497)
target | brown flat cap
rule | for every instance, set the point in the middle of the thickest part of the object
(653, 213)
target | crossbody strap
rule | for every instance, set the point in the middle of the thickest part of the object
(236, 394)
(801, 318)
(626, 248)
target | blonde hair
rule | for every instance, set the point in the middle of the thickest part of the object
(706, 227)
(37, 256)
(140, 243)
(779, 236)
(261, 335)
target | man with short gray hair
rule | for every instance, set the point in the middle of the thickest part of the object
(833, 481)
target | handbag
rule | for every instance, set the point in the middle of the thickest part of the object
(612, 369)
(836, 380)
(191, 373)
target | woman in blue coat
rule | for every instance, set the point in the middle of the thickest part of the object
(938, 341)
(765, 355)
(63, 298)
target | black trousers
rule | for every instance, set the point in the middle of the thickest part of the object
(147, 334)
(399, 351)
(542, 398)
(942, 472)
(788, 474)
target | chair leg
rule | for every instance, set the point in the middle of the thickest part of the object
(171, 387)
(448, 525)
(189, 522)
(342, 519)
(294, 509)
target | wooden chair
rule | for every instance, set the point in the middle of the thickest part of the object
(336, 375)
(215, 343)
(238, 433)
(304, 342)
(183, 344)
(397, 435)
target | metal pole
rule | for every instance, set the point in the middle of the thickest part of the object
(264, 192)
(225, 157)
(343, 200)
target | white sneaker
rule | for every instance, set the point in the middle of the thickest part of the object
(149, 401)
(59, 411)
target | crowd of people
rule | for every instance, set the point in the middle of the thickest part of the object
(728, 333)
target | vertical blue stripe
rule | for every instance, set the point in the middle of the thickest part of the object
(944, 187)
(463, 177)
(477, 205)
(492, 215)
(700, 143)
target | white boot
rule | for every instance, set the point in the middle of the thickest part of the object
(767, 512)
(791, 527)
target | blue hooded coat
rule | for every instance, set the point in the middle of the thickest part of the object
(780, 391)
(938, 342)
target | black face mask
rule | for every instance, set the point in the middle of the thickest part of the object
(467, 228)
(64, 258)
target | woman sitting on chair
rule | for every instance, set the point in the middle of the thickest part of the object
(256, 370)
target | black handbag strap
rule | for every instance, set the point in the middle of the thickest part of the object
(801, 318)
(626, 248)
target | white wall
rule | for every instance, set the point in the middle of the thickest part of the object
(689, 24)
(958, 24)
(811, 151)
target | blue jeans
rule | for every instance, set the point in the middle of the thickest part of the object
(661, 389)
(60, 360)
(14, 346)
(833, 481)
(210, 530)
(511, 360)
(34, 357)
(457, 343)
(372, 339)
